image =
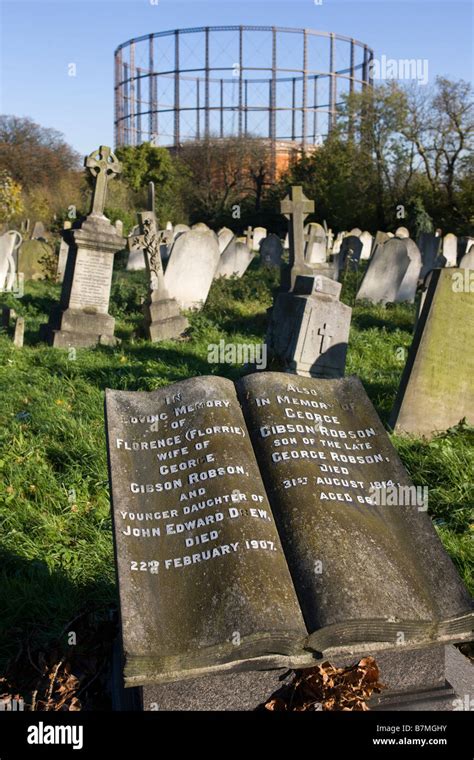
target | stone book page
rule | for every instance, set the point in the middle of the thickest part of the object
(367, 576)
(203, 581)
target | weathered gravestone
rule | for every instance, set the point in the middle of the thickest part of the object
(464, 245)
(62, 260)
(271, 251)
(225, 237)
(166, 242)
(19, 334)
(367, 241)
(119, 227)
(136, 255)
(408, 285)
(39, 232)
(165, 251)
(387, 268)
(63, 254)
(82, 318)
(329, 241)
(309, 328)
(467, 261)
(192, 263)
(210, 588)
(437, 390)
(450, 249)
(379, 240)
(259, 234)
(338, 243)
(350, 253)
(316, 251)
(430, 247)
(25, 227)
(162, 317)
(33, 257)
(199, 226)
(9, 243)
(402, 233)
(235, 259)
(179, 229)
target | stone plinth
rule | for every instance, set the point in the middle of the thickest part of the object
(163, 320)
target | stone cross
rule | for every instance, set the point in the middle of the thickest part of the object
(324, 333)
(297, 209)
(103, 165)
(150, 240)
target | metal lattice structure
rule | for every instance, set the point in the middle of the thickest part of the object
(281, 84)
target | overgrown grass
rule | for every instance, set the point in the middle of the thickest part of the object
(55, 528)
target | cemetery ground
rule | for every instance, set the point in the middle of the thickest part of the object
(57, 573)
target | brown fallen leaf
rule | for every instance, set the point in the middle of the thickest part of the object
(325, 687)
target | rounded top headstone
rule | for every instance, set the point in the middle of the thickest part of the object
(402, 232)
(179, 229)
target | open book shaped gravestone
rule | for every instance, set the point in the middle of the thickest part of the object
(247, 537)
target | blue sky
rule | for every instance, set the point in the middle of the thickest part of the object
(39, 40)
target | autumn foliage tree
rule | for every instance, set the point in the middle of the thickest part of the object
(43, 164)
(11, 204)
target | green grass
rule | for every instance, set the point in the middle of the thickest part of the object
(55, 528)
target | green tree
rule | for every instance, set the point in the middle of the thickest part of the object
(341, 179)
(146, 163)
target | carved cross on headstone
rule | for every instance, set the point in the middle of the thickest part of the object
(296, 209)
(103, 165)
(325, 334)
